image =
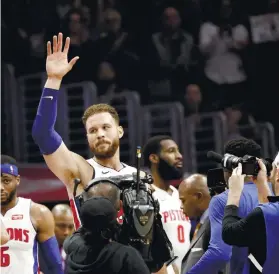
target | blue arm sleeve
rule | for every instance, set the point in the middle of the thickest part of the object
(51, 256)
(218, 253)
(43, 131)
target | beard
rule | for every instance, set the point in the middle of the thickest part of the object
(9, 198)
(105, 153)
(169, 172)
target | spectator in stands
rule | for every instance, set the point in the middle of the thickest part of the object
(106, 79)
(220, 42)
(192, 100)
(76, 27)
(170, 56)
(240, 123)
(116, 47)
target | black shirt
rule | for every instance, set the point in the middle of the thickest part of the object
(110, 259)
(247, 232)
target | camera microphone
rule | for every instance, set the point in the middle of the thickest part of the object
(214, 156)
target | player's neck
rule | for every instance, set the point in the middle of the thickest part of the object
(112, 162)
(160, 183)
(11, 204)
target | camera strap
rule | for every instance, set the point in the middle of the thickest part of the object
(255, 262)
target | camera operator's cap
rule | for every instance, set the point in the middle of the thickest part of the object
(97, 213)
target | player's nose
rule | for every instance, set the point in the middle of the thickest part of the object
(100, 133)
(179, 156)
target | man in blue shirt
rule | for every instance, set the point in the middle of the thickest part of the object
(219, 253)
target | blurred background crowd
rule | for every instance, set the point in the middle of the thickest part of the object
(205, 70)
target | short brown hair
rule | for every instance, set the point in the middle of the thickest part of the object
(99, 108)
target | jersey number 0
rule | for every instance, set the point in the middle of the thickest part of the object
(180, 234)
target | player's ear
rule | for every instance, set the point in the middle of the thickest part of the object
(120, 132)
(119, 205)
(18, 180)
(153, 158)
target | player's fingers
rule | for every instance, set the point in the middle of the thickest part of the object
(54, 44)
(48, 48)
(73, 61)
(60, 42)
(67, 45)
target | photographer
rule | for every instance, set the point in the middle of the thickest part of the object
(92, 250)
(110, 189)
(260, 229)
(218, 253)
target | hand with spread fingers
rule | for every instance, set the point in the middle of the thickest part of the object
(57, 64)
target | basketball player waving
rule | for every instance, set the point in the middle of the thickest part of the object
(28, 225)
(101, 123)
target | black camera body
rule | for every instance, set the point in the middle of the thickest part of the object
(142, 227)
(249, 164)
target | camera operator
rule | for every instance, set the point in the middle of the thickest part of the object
(161, 154)
(112, 192)
(195, 197)
(218, 253)
(92, 250)
(260, 229)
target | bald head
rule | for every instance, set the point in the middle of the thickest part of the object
(107, 190)
(61, 209)
(64, 222)
(195, 183)
(194, 195)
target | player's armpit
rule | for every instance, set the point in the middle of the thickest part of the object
(43, 222)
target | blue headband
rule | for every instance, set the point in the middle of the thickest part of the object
(9, 169)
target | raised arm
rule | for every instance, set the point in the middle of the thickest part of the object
(61, 161)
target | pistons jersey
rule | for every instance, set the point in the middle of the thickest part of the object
(176, 225)
(20, 253)
(101, 171)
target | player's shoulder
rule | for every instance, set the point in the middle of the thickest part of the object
(130, 168)
(39, 211)
(174, 190)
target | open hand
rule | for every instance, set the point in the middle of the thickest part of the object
(57, 64)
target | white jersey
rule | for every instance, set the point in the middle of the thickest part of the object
(20, 253)
(101, 171)
(175, 223)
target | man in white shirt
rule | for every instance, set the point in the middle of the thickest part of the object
(162, 156)
(224, 72)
